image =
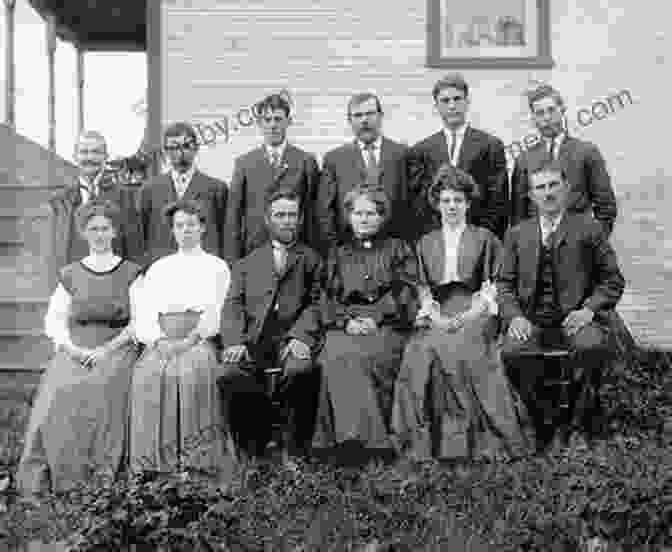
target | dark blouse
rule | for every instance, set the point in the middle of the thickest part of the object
(371, 278)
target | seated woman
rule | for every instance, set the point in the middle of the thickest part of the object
(175, 418)
(79, 418)
(369, 308)
(452, 399)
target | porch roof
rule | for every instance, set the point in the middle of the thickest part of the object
(99, 25)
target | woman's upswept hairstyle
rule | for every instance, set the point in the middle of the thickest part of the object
(377, 196)
(449, 177)
(98, 207)
(189, 206)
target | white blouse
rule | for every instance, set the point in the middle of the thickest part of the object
(184, 280)
(451, 238)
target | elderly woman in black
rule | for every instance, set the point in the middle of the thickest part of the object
(452, 399)
(369, 307)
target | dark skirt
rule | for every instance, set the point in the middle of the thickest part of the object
(452, 398)
(357, 389)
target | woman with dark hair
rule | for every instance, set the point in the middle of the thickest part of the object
(78, 422)
(175, 419)
(368, 309)
(452, 399)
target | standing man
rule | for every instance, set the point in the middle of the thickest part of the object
(183, 181)
(273, 165)
(371, 160)
(558, 280)
(470, 149)
(271, 319)
(589, 183)
(92, 184)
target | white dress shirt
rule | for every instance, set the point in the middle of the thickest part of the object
(179, 282)
(548, 225)
(376, 146)
(459, 138)
(181, 181)
(558, 140)
(279, 150)
(451, 239)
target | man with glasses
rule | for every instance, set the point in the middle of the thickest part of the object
(470, 149)
(590, 185)
(92, 184)
(182, 181)
(273, 165)
(371, 160)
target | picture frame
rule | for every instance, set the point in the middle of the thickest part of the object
(508, 34)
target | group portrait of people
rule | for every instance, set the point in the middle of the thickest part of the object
(394, 297)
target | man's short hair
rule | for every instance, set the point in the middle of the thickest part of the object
(281, 193)
(272, 102)
(360, 98)
(180, 128)
(189, 206)
(453, 80)
(544, 91)
(98, 207)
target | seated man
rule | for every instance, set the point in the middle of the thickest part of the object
(271, 319)
(559, 276)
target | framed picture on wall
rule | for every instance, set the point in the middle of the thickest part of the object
(506, 34)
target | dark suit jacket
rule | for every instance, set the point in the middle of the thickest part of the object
(256, 290)
(343, 169)
(253, 178)
(590, 185)
(585, 265)
(127, 244)
(159, 192)
(482, 156)
(477, 257)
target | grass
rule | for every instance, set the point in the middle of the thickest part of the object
(621, 491)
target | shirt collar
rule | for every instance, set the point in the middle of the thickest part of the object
(559, 139)
(93, 184)
(555, 221)
(280, 149)
(459, 132)
(456, 231)
(279, 245)
(195, 252)
(377, 144)
(187, 176)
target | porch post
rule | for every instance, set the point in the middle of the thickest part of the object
(51, 60)
(79, 75)
(10, 77)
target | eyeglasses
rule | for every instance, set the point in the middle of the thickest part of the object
(552, 110)
(187, 146)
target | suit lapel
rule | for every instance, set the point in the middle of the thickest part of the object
(358, 160)
(437, 255)
(530, 244)
(469, 144)
(194, 187)
(293, 256)
(262, 166)
(468, 250)
(439, 149)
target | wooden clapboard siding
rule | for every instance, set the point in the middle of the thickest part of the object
(218, 57)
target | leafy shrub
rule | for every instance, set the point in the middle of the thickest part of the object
(620, 490)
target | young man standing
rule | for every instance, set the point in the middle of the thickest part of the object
(470, 149)
(590, 188)
(273, 165)
(183, 181)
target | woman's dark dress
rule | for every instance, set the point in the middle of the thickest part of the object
(377, 279)
(79, 419)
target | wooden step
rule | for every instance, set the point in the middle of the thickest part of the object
(24, 283)
(30, 348)
(19, 198)
(22, 316)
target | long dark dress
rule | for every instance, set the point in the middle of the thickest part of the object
(452, 399)
(79, 418)
(376, 279)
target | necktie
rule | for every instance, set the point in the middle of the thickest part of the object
(552, 148)
(453, 145)
(370, 157)
(547, 225)
(275, 159)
